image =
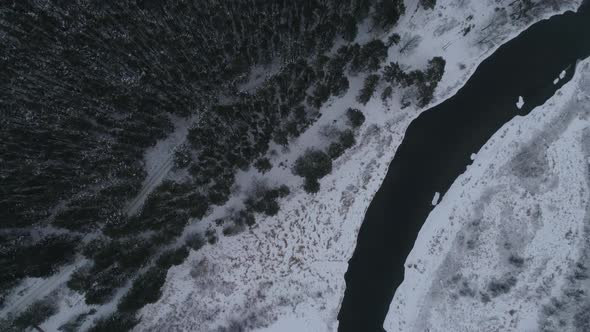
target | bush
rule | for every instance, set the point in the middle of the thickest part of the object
(428, 4)
(349, 28)
(501, 286)
(368, 88)
(426, 82)
(146, 289)
(393, 39)
(368, 57)
(388, 12)
(195, 241)
(311, 186)
(264, 202)
(347, 139)
(36, 314)
(182, 156)
(211, 236)
(335, 150)
(394, 74)
(386, 94)
(313, 164)
(172, 257)
(119, 322)
(263, 165)
(283, 191)
(355, 117)
(372, 54)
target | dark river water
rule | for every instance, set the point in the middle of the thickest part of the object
(437, 148)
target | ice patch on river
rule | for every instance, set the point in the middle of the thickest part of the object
(508, 247)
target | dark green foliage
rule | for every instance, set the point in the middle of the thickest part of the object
(373, 53)
(393, 39)
(265, 201)
(172, 257)
(245, 217)
(388, 12)
(114, 263)
(335, 150)
(211, 236)
(99, 82)
(331, 79)
(146, 289)
(36, 314)
(263, 165)
(387, 92)
(436, 69)
(311, 185)
(182, 157)
(434, 73)
(426, 82)
(117, 322)
(355, 117)
(368, 89)
(21, 257)
(428, 4)
(195, 241)
(347, 139)
(394, 74)
(313, 164)
(367, 57)
(349, 28)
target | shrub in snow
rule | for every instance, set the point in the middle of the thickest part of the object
(355, 117)
(347, 139)
(312, 165)
(335, 150)
(428, 4)
(263, 165)
(36, 314)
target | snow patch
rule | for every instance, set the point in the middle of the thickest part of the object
(436, 198)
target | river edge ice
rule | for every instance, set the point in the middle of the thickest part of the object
(287, 273)
(507, 247)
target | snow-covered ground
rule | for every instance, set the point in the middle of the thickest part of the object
(507, 248)
(287, 272)
(159, 161)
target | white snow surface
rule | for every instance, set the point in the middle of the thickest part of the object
(287, 272)
(519, 217)
(436, 198)
(159, 161)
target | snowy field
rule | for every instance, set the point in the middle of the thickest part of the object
(287, 272)
(508, 246)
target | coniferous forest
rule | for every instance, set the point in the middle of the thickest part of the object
(87, 86)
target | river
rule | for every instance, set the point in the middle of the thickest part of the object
(437, 148)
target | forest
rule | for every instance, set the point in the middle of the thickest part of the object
(88, 86)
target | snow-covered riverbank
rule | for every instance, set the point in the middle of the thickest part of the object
(507, 246)
(287, 273)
